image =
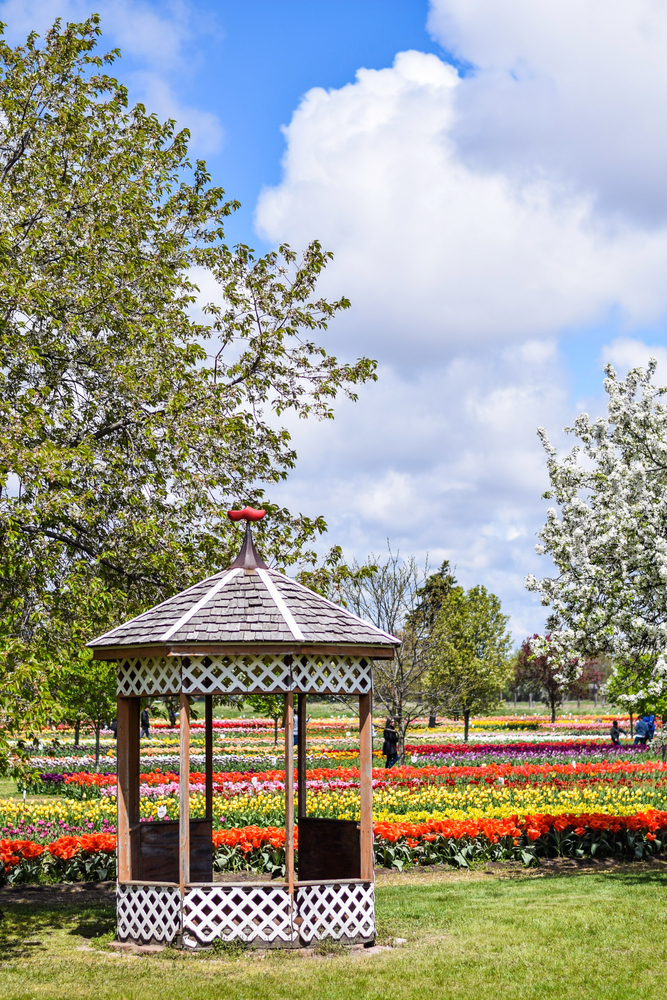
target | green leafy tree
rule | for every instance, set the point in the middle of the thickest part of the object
(398, 598)
(127, 428)
(469, 654)
(543, 668)
(270, 705)
(85, 689)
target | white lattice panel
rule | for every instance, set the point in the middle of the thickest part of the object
(236, 674)
(343, 911)
(149, 675)
(270, 673)
(332, 674)
(148, 913)
(254, 914)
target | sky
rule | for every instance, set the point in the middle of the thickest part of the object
(489, 175)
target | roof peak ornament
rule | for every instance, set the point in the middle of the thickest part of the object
(247, 514)
(248, 557)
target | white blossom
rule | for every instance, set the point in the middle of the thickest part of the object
(608, 537)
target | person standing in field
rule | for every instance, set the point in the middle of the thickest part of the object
(145, 723)
(390, 745)
(615, 733)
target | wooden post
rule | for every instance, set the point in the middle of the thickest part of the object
(289, 791)
(208, 754)
(127, 717)
(301, 756)
(184, 796)
(366, 786)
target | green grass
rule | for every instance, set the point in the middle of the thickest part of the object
(583, 937)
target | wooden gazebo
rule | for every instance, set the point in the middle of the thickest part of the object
(247, 630)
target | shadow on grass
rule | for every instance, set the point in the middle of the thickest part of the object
(21, 932)
(95, 925)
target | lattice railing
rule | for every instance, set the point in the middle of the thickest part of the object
(149, 675)
(261, 915)
(344, 911)
(253, 914)
(259, 674)
(148, 914)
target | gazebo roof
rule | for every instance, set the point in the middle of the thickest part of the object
(246, 605)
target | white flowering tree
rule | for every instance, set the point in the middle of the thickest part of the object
(608, 538)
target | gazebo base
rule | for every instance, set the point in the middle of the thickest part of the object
(260, 914)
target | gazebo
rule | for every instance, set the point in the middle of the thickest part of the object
(246, 630)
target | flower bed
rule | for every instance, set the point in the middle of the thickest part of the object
(262, 849)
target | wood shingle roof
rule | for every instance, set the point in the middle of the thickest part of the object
(243, 605)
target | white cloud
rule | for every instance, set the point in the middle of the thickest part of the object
(205, 128)
(573, 90)
(434, 254)
(446, 462)
(625, 353)
(462, 273)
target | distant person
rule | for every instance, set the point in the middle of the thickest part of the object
(641, 733)
(615, 733)
(390, 745)
(172, 716)
(145, 723)
(650, 722)
(114, 728)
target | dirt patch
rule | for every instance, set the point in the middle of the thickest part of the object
(61, 894)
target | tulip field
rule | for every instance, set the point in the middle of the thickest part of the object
(511, 793)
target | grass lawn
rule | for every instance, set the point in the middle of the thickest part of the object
(482, 935)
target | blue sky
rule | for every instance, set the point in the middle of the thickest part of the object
(490, 177)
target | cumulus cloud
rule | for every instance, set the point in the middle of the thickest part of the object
(625, 353)
(463, 268)
(435, 254)
(445, 462)
(573, 90)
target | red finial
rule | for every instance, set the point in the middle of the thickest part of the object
(248, 514)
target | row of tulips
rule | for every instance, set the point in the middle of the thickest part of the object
(262, 849)
(161, 784)
(91, 857)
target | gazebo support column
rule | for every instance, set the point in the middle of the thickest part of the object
(301, 756)
(184, 796)
(289, 792)
(208, 754)
(127, 717)
(366, 786)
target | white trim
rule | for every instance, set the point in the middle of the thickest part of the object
(344, 611)
(280, 604)
(184, 619)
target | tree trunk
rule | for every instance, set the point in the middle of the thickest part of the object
(530, 701)
(98, 726)
(431, 721)
(553, 709)
(466, 725)
(77, 730)
(275, 731)
(632, 727)
(400, 729)
(515, 701)
(578, 703)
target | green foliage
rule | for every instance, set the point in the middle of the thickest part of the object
(469, 654)
(85, 689)
(127, 428)
(270, 705)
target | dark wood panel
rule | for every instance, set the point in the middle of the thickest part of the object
(328, 848)
(157, 848)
